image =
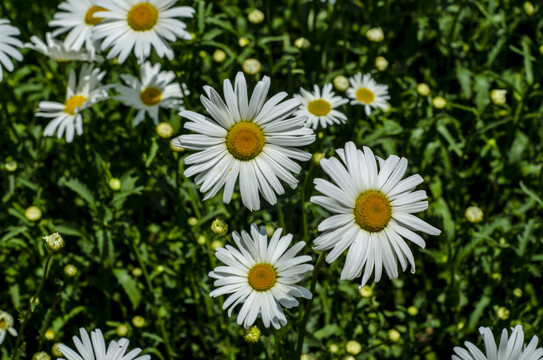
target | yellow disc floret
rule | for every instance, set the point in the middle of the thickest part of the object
(319, 107)
(372, 211)
(365, 95)
(142, 17)
(73, 103)
(245, 140)
(262, 277)
(90, 19)
(150, 96)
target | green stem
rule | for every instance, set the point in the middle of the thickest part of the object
(251, 352)
(308, 306)
(17, 355)
(279, 350)
(281, 217)
(304, 214)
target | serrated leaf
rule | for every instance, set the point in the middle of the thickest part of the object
(78, 187)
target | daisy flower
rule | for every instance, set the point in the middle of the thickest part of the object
(365, 91)
(8, 46)
(321, 108)
(6, 325)
(89, 349)
(261, 276)
(78, 20)
(58, 51)
(140, 24)
(372, 213)
(67, 116)
(153, 91)
(510, 348)
(252, 139)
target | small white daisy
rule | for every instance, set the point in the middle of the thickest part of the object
(253, 139)
(510, 348)
(373, 213)
(320, 109)
(78, 20)
(6, 325)
(261, 276)
(8, 46)
(67, 115)
(94, 345)
(153, 91)
(140, 24)
(58, 51)
(365, 91)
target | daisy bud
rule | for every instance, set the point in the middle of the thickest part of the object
(269, 230)
(122, 330)
(243, 42)
(302, 43)
(55, 351)
(317, 157)
(201, 240)
(349, 357)
(333, 348)
(11, 166)
(256, 16)
(394, 335)
(251, 66)
(41, 356)
(381, 63)
(33, 213)
(460, 325)
(219, 55)
(439, 102)
(528, 8)
(164, 130)
(192, 221)
(474, 214)
(517, 292)
(55, 242)
(70, 270)
(307, 357)
(341, 83)
(138, 321)
(375, 34)
(174, 147)
(203, 54)
(498, 96)
(219, 227)
(423, 89)
(252, 334)
(216, 244)
(160, 268)
(114, 184)
(412, 310)
(137, 272)
(353, 347)
(541, 49)
(49, 335)
(366, 291)
(503, 313)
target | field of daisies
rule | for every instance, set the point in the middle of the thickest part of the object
(262, 179)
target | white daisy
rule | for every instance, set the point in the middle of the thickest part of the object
(8, 46)
(89, 349)
(58, 51)
(67, 115)
(78, 20)
(140, 24)
(321, 108)
(261, 276)
(6, 325)
(153, 91)
(512, 348)
(365, 91)
(373, 213)
(252, 139)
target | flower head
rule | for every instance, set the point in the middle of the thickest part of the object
(320, 107)
(59, 51)
(54, 242)
(365, 91)
(373, 213)
(8, 46)
(250, 139)
(261, 275)
(6, 325)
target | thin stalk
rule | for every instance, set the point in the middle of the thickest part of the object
(304, 214)
(17, 355)
(308, 306)
(279, 351)
(281, 217)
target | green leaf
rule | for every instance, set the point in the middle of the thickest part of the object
(81, 189)
(530, 193)
(528, 67)
(129, 285)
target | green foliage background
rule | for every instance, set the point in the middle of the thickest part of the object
(472, 152)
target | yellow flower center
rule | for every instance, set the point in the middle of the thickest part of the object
(245, 140)
(262, 277)
(142, 17)
(319, 107)
(73, 103)
(89, 15)
(365, 95)
(3, 324)
(150, 96)
(372, 211)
